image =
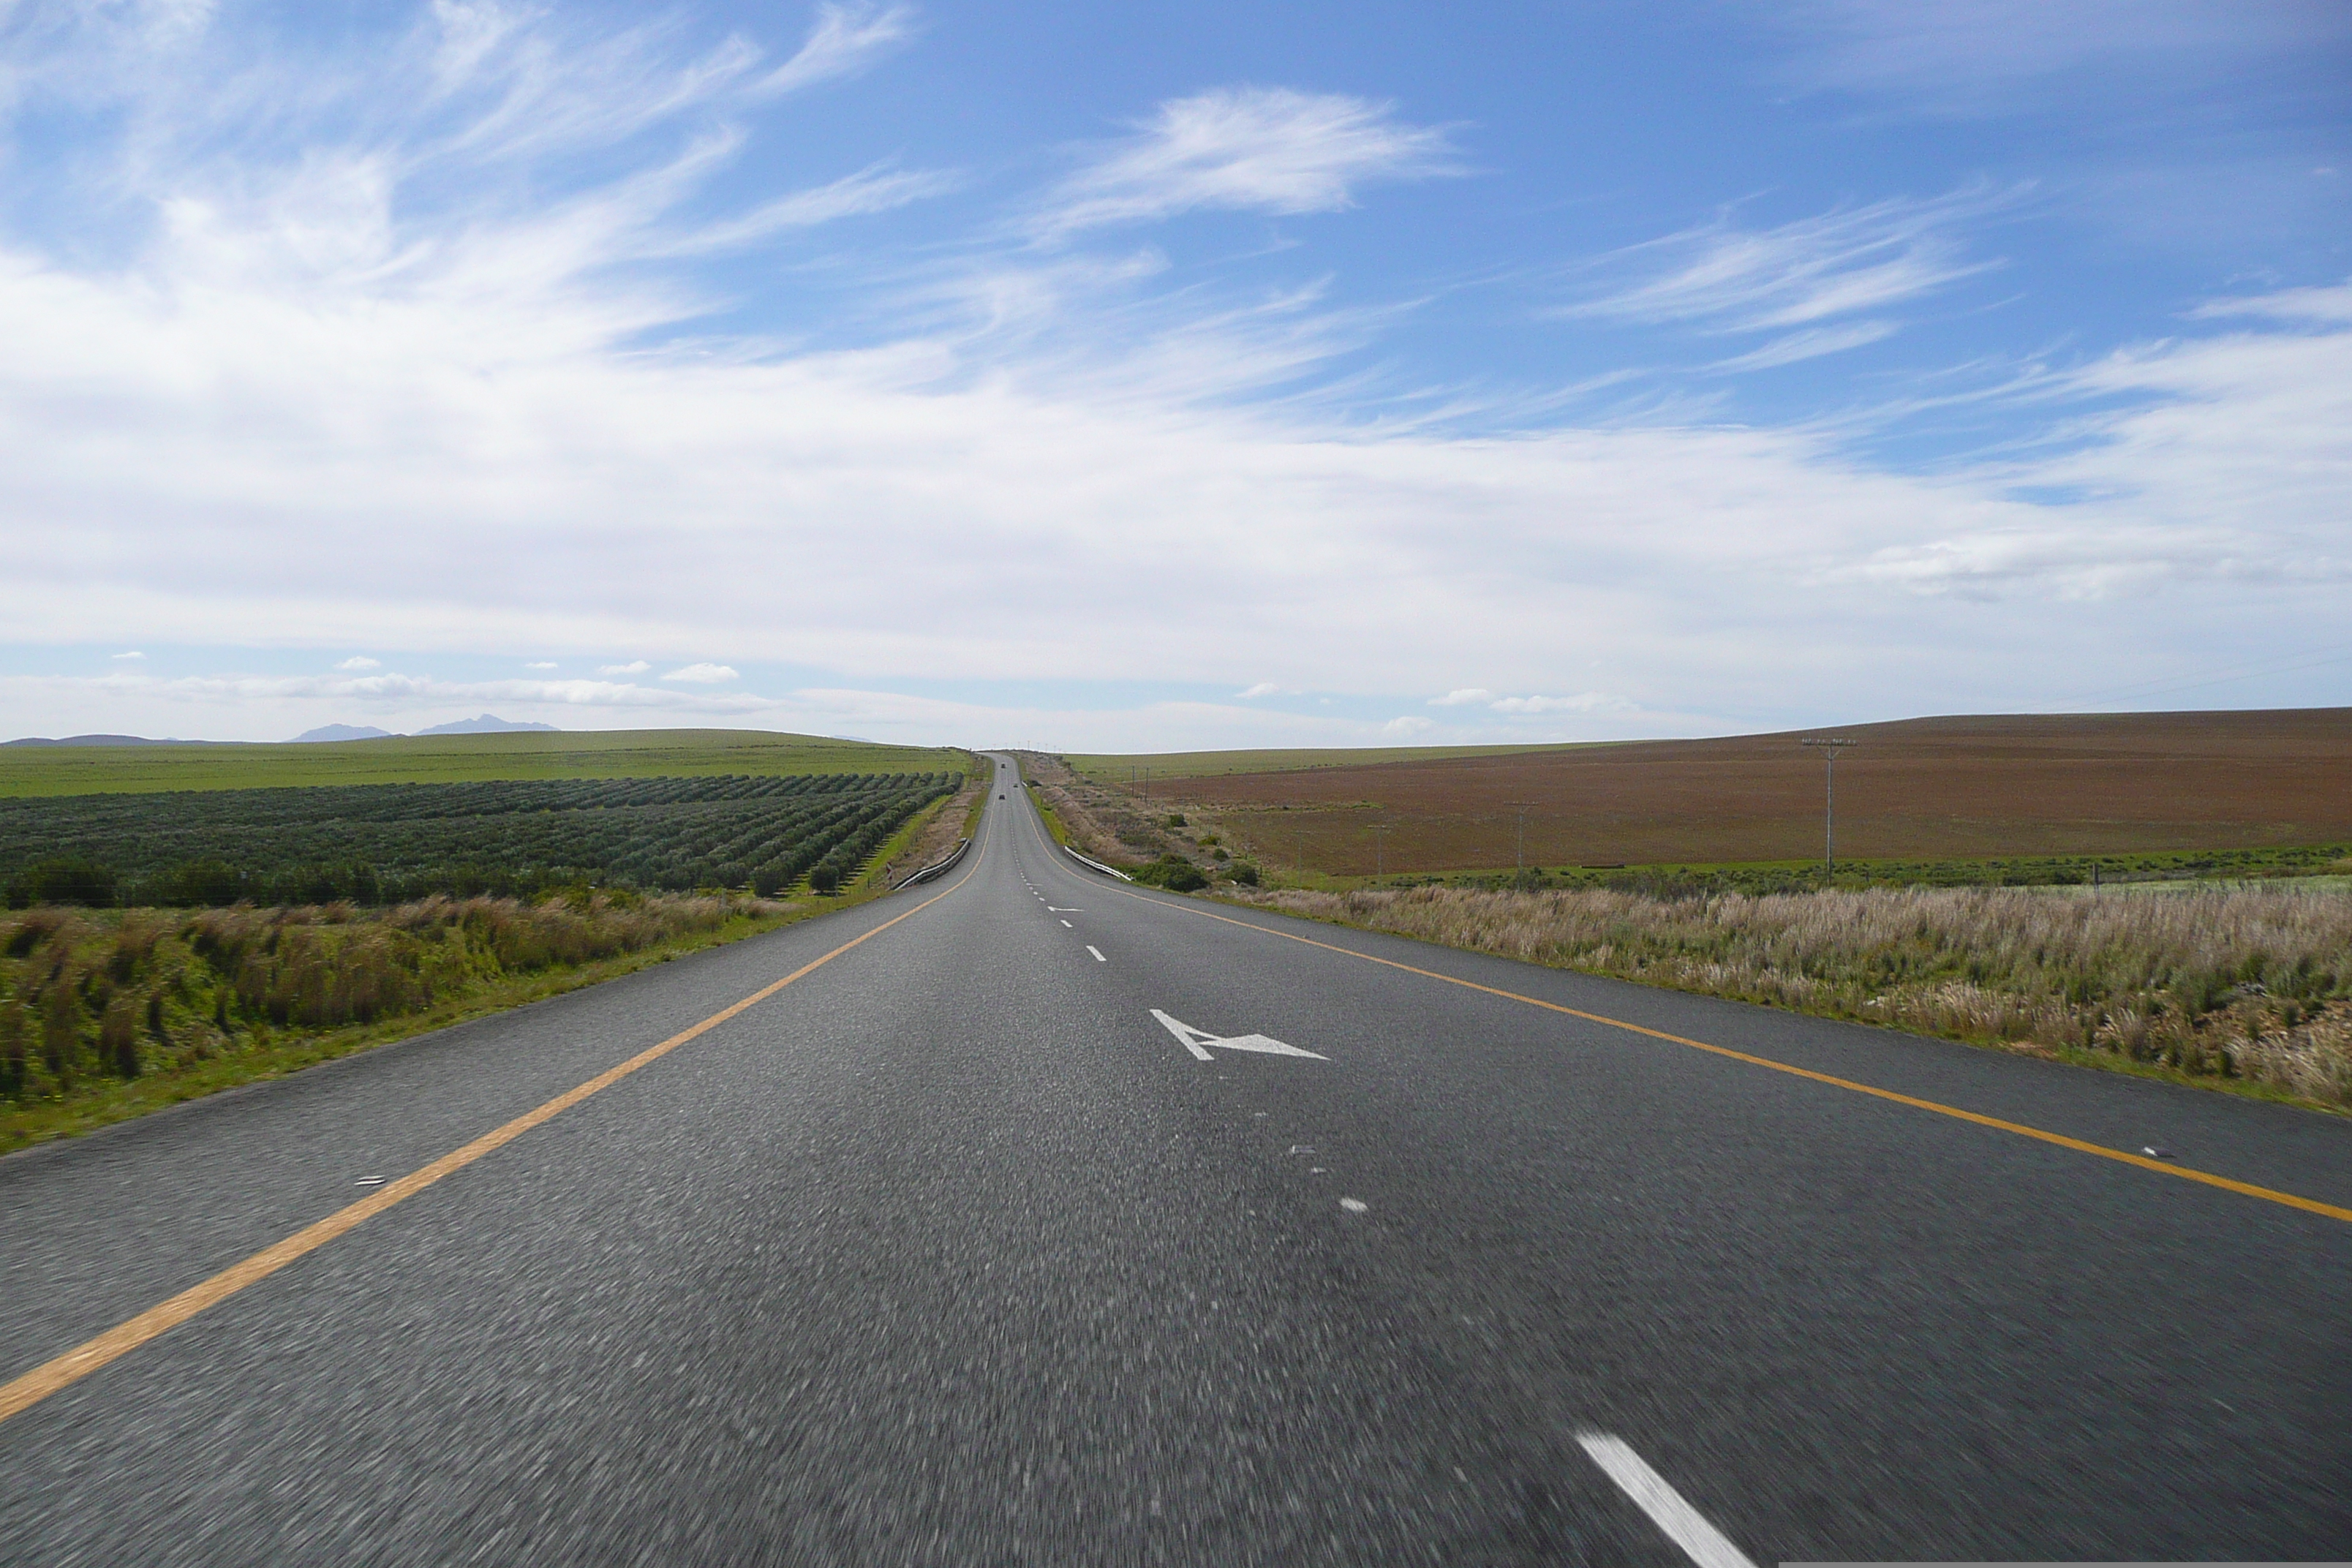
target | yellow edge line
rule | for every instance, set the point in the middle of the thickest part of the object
(2162, 1168)
(37, 1385)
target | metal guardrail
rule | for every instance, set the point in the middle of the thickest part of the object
(946, 863)
(1107, 870)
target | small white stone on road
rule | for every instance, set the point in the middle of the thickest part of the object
(1302, 1148)
(1355, 1205)
(370, 1182)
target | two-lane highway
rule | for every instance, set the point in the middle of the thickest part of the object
(1040, 1218)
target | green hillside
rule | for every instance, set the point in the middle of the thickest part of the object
(454, 758)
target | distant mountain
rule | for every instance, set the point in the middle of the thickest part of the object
(343, 732)
(488, 724)
(101, 740)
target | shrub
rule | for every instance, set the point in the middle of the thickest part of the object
(63, 879)
(201, 884)
(146, 993)
(1174, 872)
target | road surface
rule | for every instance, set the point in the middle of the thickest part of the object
(1058, 1221)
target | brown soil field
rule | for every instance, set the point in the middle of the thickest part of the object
(1951, 788)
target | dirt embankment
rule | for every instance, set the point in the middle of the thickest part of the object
(1109, 824)
(936, 836)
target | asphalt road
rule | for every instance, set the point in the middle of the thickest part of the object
(954, 1251)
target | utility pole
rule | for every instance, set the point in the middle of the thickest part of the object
(1519, 837)
(1380, 832)
(1828, 747)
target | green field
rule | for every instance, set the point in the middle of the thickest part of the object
(375, 844)
(1114, 769)
(454, 758)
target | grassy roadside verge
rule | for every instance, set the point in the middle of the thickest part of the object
(193, 1004)
(1055, 825)
(2246, 989)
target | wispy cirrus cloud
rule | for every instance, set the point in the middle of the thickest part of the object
(876, 189)
(1247, 149)
(1811, 344)
(1960, 56)
(846, 40)
(704, 674)
(1722, 278)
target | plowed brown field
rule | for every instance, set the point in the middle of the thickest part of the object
(1934, 788)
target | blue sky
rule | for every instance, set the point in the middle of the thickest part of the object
(1155, 377)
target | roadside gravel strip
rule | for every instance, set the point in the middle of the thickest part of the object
(1028, 1216)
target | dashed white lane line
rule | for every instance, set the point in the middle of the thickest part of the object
(1067, 926)
(1683, 1525)
(1098, 957)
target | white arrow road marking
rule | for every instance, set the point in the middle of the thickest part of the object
(1683, 1524)
(1198, 1041)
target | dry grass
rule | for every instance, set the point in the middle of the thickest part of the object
(2252, 984)
(935, 833)
(1108, 823)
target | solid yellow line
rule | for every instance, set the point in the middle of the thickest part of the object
(2162, 1168)
(84, 1359)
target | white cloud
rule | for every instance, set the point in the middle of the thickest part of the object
(1811, 343)
(1408, 724)
(1848, 260)
(2325, 306)
(1262, 689)
(302, 370)
(1247, 149)
(1970, 56)
(846, 40)
(361, 661)
(130, 653)
(1582, 702)
(1461, 696)
(540, 664)
(871, 190)
(702, 674)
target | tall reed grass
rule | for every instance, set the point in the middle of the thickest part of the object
(2251, 983)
